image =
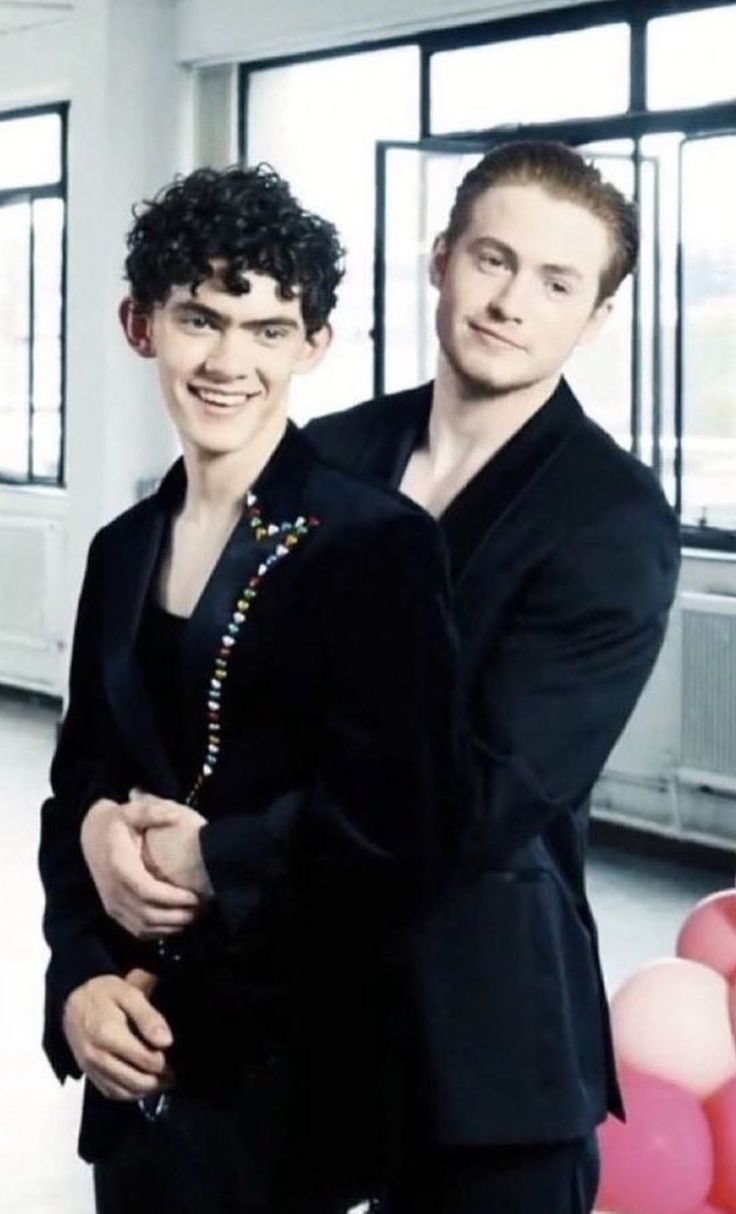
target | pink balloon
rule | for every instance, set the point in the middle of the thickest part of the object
(732, 1005)
(661, 1160)
(708, 934)
(671, 1020)
(721, 1113)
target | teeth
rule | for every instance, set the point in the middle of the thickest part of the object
(228, 400)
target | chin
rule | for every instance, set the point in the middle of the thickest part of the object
(482, 381)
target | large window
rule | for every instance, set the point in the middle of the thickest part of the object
(318, 123)
(32, 205)
(648, 91)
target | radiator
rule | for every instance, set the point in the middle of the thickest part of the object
(30, 585)
(708, 682)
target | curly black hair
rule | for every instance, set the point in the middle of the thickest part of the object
(249, 218)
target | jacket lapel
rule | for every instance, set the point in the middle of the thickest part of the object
(517, 476)
(126, 591)
(249, 553)
(392, 436)
(246, 567)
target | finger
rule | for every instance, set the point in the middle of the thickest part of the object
(159, 919)
(175, 919)
(147, 1021)
(143, 980)
(152, 893)
(122, 1041)
(109, 1090)
(127, 1079)
(141, 813)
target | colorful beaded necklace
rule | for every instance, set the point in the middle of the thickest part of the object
(286, 537)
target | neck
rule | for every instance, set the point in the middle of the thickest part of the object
(217, 484)
(466, 420)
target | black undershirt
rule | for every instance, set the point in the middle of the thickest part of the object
(159, 648)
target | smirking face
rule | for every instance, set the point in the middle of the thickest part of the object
(519, 288)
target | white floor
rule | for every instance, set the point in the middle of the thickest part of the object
(640, 904)
(39, 1171)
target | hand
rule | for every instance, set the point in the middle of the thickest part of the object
(171, 848)
(145, 906)
(117, 1036)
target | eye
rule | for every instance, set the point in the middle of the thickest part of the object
(274, 333)
(196, 321)
(558, 287)
(491, 261)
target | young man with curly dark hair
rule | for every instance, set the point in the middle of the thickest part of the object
(258, 750)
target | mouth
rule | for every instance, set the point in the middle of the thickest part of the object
(493, 336)
(219, 400)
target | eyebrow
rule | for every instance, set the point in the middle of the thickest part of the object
(510, 254)
(490, 242)
(562, 271)
(188, 307)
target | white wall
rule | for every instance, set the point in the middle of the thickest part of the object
(219, 30)
(36, 64)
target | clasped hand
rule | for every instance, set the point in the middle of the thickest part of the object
(117, 1036)
(145, 860)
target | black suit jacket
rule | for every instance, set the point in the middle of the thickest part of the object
(565, 557)
(328, 809)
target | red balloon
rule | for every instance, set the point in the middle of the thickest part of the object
(661, 1160)
(721, 1113)
(708, 934)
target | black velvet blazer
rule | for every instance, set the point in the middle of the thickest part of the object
(317, 678)
(564, 559)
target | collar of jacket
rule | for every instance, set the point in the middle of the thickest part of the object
(139, 541)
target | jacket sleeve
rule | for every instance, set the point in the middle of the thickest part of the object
(80, 936)
(381, 810)
(566, 673)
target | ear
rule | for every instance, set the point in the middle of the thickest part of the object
(137, 328)
(314, 349)
(438, 260)
(596, 320)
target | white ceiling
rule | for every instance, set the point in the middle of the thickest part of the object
(20, 14)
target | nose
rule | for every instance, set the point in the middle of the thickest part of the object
(509, 301)
(227, 357)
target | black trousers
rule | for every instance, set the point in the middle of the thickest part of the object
(556, 1178)
(199, 1158)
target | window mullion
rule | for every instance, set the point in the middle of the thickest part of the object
(31, 328)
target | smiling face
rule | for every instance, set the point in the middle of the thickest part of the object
(225, 361)
(519, 288)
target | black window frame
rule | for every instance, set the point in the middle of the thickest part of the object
(634, 124)
(31, 194)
